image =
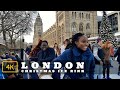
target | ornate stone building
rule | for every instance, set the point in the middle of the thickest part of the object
(38, 30)
(50, 35)
(69, 23)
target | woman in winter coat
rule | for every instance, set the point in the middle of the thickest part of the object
(79, 52)
(106, 62)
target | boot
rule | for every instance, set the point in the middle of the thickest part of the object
(119, 73)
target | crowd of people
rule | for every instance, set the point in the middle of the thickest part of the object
(10, 56)
(97, 57)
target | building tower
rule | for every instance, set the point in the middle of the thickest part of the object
(38, 30)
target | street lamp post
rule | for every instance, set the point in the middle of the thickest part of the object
(22, 46)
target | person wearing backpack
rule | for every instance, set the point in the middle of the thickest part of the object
(79, 52)
(98, 56)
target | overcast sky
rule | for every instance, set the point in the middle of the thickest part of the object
(48, 19)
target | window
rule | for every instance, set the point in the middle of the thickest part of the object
(88, 32)
(116, 29)
(80, 15)
(74, 27)
(62, 27)
(86, 16)
(89, 16)
(88, 26)
(115, 20)
(81, 27)
(75, 15)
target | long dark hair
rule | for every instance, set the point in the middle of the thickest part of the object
(57, 45)
(58, 49)
(76, 38)
(36, 49)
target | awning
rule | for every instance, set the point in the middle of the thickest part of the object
(2, 44)
(93, 38)
(117, 34)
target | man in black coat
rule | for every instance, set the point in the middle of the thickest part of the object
(46, 54)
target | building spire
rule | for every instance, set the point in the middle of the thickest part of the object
(38, 15)
(38, 19)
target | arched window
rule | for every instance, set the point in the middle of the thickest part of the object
(81, 27)
(89, 16)
(74, 27)
(80, 15)
(87, 26)
(75, 15)
(88, 31)
(72, 14)
(86, 16)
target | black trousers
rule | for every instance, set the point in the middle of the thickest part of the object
(119, 68)
(106, 67)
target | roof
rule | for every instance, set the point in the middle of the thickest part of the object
(2, 44)
(93, 38)
(117, 34)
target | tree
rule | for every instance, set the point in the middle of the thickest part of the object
(24, 24)
(15, 24)
(106, 32)
(4, 16)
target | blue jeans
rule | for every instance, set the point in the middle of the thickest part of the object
(98, 72)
